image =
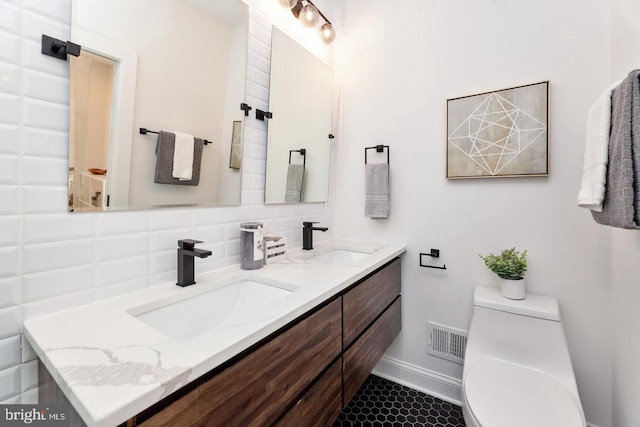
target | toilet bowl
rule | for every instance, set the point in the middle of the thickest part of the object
(517, 369)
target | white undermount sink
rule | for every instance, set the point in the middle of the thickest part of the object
(337, 257)
(220, 307)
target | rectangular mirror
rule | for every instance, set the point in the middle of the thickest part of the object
(301, 101)
(177, 66)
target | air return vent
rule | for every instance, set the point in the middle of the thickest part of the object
(445, 342)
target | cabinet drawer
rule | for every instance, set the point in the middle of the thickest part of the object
(258, 388)
(321, 405)
(366, 301)
(184, 412)
(361, 358)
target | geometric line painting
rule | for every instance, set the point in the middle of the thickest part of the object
(499, 134)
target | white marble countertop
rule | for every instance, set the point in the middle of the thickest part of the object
(111, 365)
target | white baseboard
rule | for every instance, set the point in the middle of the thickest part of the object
(434, 384)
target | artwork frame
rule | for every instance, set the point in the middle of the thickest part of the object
(499, 134)
(235, 153)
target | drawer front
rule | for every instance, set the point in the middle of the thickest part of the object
(321, 405)
(361, 358)
(366, 301)
(184, 412)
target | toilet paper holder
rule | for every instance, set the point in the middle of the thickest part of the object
(435, 253)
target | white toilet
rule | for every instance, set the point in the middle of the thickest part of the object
(517, 368)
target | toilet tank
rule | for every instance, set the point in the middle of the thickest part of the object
(524, 332)
(538, 306)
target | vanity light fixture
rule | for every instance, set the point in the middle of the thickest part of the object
(309, 15)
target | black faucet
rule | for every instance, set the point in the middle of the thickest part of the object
(186, 254)
(307, 234)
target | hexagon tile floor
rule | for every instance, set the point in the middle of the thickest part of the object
(383, 403)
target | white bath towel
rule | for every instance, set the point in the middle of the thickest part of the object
(183, 156)
(596, 153)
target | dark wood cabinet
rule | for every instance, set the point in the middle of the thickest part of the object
(371, 320)
(258, 389)
(362, 356)
(365, 302)
(321, 405)
(302, 375)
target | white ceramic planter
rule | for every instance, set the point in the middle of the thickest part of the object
(512, 289)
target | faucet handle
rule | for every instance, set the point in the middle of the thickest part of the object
(309, 223)
(188, 244)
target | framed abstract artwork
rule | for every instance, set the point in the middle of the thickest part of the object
(235, 159)
(504, 133)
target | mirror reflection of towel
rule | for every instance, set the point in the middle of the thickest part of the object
(183, 156)
(295, 180)
(376, 203)
(164, 160)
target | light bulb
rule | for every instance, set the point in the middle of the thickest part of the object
(289, 4)
(327, 33)
(309, 15)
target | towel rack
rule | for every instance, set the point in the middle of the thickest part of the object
(435, 253)
(303, 153)
(379, 149)
(144, 131)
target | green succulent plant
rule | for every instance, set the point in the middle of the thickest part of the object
(510, 264)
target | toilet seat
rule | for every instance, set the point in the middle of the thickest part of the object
(502, 394)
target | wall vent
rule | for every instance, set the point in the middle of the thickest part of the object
(446, 342)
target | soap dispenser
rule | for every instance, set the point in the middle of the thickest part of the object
(252, 245)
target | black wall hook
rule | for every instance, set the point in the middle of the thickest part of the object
(246, 108)
(435, 253)
(261, 115)
(58, 48)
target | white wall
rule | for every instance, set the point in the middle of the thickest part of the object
(51, 260)
(625, 244)
(397, 66)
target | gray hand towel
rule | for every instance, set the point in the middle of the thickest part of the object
(635, 136)
(376, 203)
(621, 207)
(164, 161)
(295, 182)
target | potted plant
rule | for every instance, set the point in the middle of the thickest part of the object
(510, 267)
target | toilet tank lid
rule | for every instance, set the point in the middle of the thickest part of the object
(539, 306)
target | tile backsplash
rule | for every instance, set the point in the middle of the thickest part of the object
(51, 260)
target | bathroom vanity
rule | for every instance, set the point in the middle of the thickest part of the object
(296, 360)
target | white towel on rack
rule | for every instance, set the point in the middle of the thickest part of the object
(596, 153)
(183, 156)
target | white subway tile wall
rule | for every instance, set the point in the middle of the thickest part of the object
(51, 260)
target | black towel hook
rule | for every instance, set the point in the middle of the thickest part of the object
(246, 108)
(261, 115)
(59, 49)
